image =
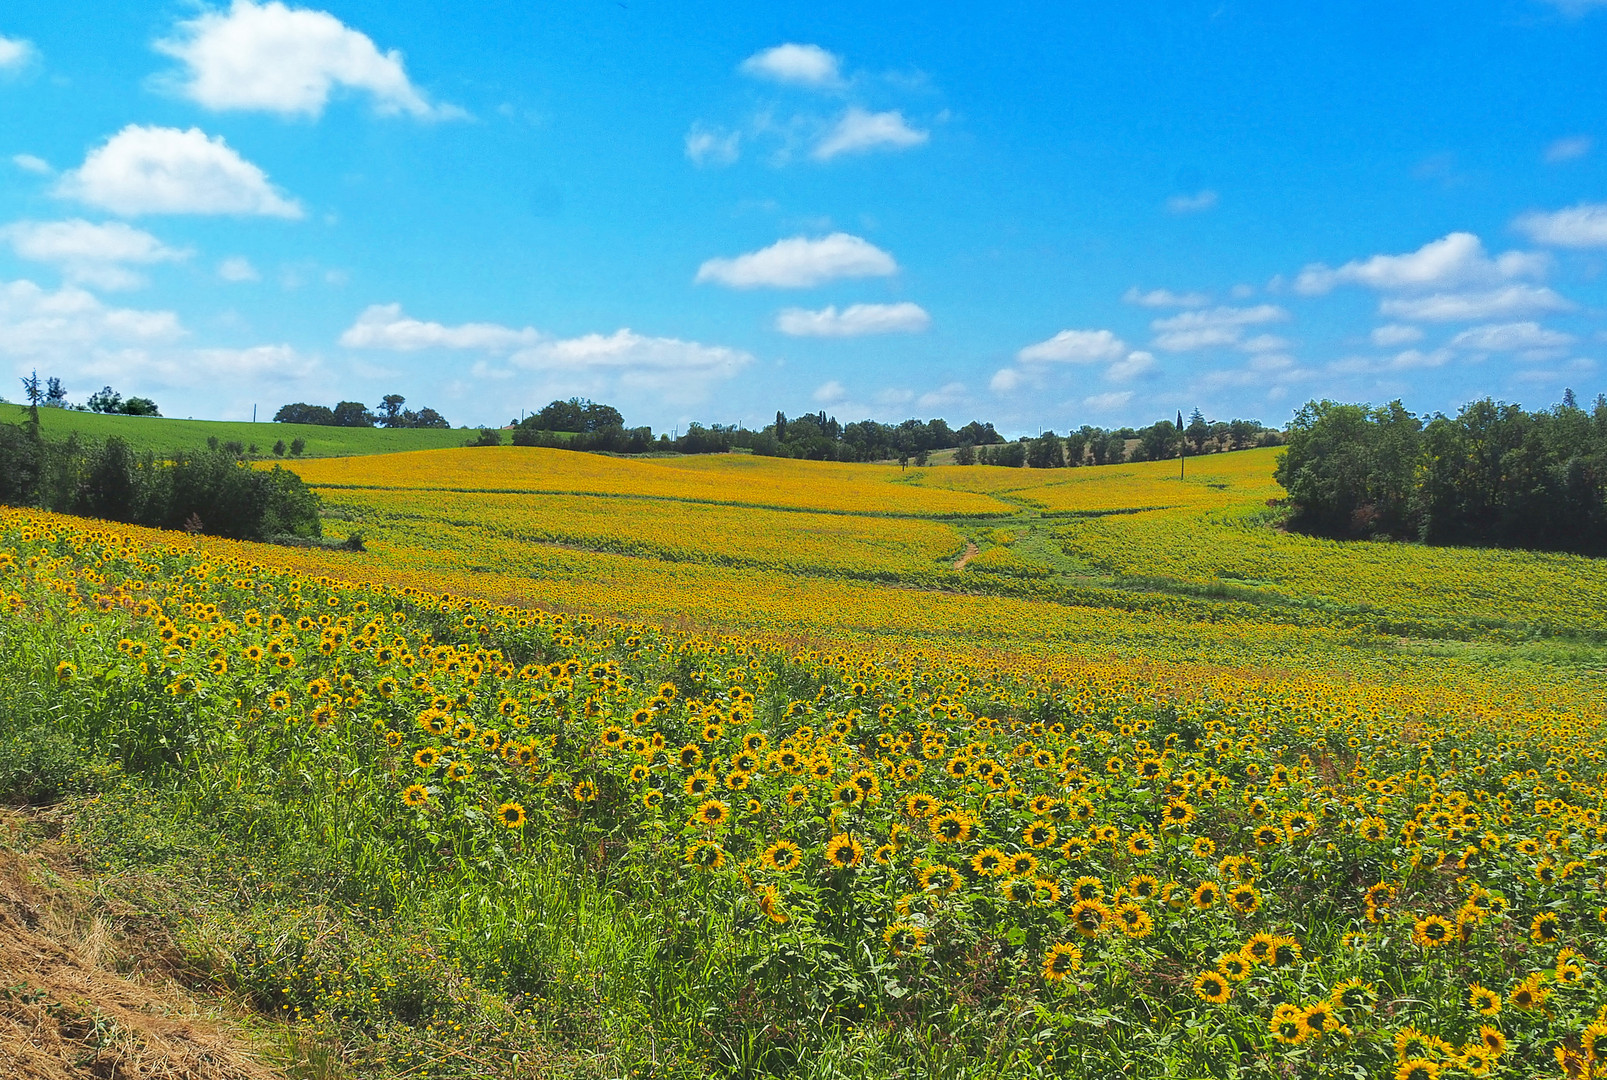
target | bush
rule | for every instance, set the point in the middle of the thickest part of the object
(43, 765)
(213, 487)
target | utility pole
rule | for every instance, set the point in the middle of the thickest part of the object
(253, 414)
(1182, 444)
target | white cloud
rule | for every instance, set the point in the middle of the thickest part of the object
(1395, 334)
(157, 170)
(274, 58)
(39, 324)
(383, 326)
(32, 163)
(799, 263)
(1075, 347)
(678, 369)
(238, 268)
(1212, 327)
(854, 320)
(15, 53)
(710, 146)
(800, 65)
(1410, 359)
(1581, 226)
(1514, 300)
(1131, 366)
(1108, 402)
(830, 393)
(1569, 149)
(674, 369)
(1192, 204)
(1264, 343)
(948, 394)
(859, 131)
(1455, 260)
(73, 334)
(271, 363)
(88, 253)
(1004, 380)
(1163, 298)
(1511, 337)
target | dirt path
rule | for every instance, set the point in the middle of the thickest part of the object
(970, 553)
(64, 1015)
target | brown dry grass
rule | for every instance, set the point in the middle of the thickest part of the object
(65, 1011)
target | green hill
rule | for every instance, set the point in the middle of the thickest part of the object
(164, 435)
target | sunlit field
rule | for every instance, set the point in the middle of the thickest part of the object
(731, 766)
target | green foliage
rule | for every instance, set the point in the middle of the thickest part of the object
(41, 764)
(212, 491)
(1494, 474)
(166, 435)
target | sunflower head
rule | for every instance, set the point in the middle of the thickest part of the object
(1060, 961)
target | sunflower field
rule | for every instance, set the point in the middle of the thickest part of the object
(537, 820)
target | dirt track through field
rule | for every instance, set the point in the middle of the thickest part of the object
(970, 553)
(64, 1016)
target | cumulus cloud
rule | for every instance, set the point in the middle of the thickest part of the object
(1569, 149)
(854, 321)
(944, 396)
(1455, 260)
(383, 326)
(1131, 366)
(800, 263)
(1080, 347)
(32, 163)
(88, 343)
(799, 65)
(90, 253)
(711, 146)
(1164, 298)
(1108, 402)
(677, 368)
(238, 268)
(269, 363)
(1395, 334)
(1192, 204)
(1409, 360)
(274, 58)
(15, 53)
(159, 170)
(1514, 300)
(830, 393)
(1511, 337)
(1210, 327)
(1581, 226)
(37, 323)
(1075, 347)
(859, 131)
(1005, 380)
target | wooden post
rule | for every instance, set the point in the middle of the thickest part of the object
(1182, 444)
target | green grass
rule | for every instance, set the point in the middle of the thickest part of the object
(165, 435)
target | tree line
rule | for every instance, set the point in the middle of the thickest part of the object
(51, 393)
(579, 424)
(1494, 474)
(354, 414)
(210, 491)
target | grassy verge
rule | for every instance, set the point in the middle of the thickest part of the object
(160, 434)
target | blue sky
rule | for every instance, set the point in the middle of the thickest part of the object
(1041, 215)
